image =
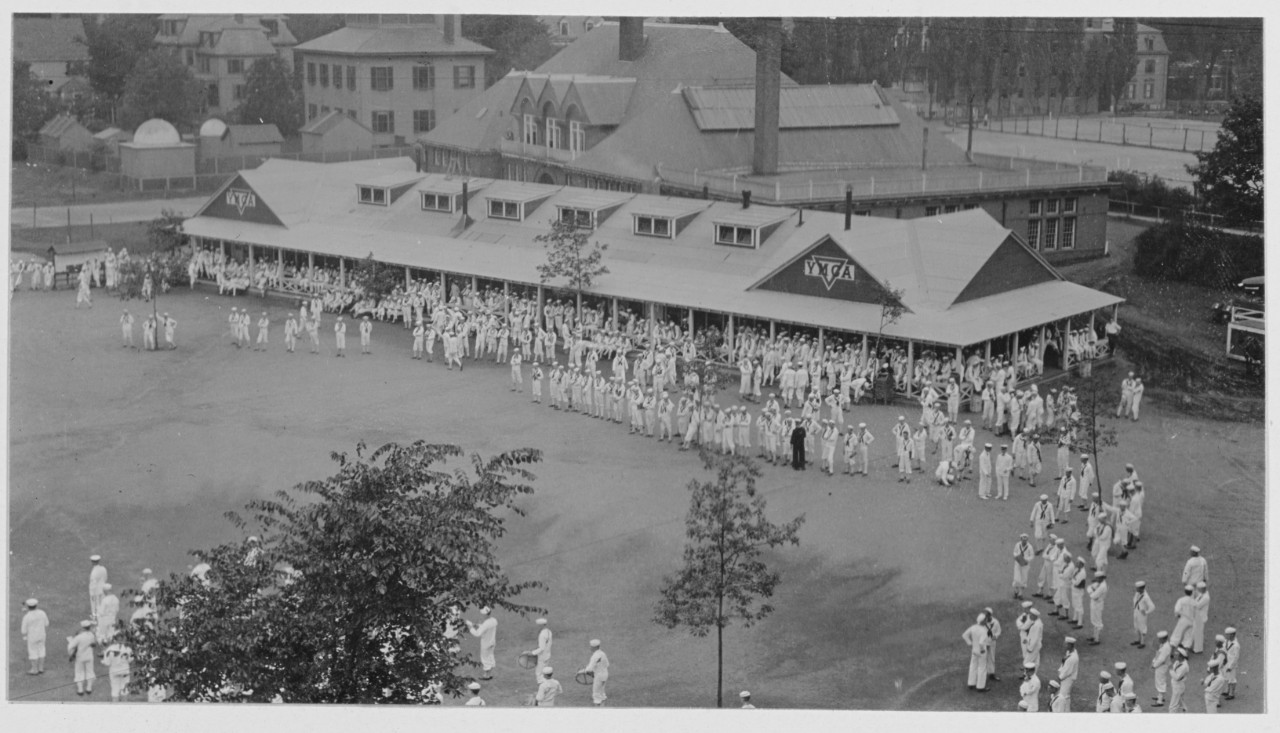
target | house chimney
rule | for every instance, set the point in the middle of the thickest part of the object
(746, 199)
(764, 159)
(630, 38)
(450, 29)
(239, 18)
(848, 208)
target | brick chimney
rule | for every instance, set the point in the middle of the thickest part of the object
(764, 158)
(630, 38)
(451, 29)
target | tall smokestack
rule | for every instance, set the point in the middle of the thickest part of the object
(450, 29)
(630, 38)
(764, 160)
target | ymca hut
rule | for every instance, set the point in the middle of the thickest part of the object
(967, 286)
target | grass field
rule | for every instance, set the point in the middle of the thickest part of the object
(137, 455)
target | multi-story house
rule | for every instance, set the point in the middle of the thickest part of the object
(219, 49)
(565, 29)
(1148, 88)
(399, 75)
(53, 46)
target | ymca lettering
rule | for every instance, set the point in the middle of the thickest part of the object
(828, 269)
(241, 199)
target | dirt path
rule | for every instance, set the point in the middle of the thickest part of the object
(136, 456)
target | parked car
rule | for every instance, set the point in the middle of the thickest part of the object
(1252, 286)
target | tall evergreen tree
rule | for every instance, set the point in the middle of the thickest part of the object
(272, 95)
(160, 86)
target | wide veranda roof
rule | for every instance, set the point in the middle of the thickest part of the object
(963, 278)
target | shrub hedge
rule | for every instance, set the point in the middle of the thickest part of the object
(1186, 252)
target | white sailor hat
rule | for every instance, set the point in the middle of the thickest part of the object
(1023, 536)
(1188, 588)
(1230, 630)
(1194, 549)
(86, 624)
(968, 422)
(1162, 634)
(1028, 665)
(1130, 696)
(862, 425)
(474, 686)
(1034, 612)
(139, 599)
(106, 586)
(988, 445)
(594, 642)
(1201, 584)
(902, 417)
(1055, 683)
(95, 558)
(1027, 604)
(1043, 497)
(744, 694)
(1069, 639)
(1104, 674)
(31, 602)
(980, 617)
(1219, 638)
(1140, 584)
(1122, 666)
(540, 621)
(547, 670)
(485, 610)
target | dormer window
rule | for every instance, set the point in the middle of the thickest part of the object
(373, 195)
(437, 202)
(652, 226)
(737, 235)
(272, 27)
(580, 218)
(499, 209)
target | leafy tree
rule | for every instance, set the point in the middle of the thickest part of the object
(572, 256)
(1089, 429)
(521, 42)
(1229, 177)
(723, 578)
(313, 25)
(31, 107)
(891, 309)
(967, 53)
(272, 95)
(1119, 58)
(115, 45)
(165, 231)
(160, 86)
(376, 278)
(349, 594)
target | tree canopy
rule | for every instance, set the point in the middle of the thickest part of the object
(160, 86)
(272, 95)
(723, 577)
(115, 45)
(32, 107)
(1229, 177)
(571, 255)
(306, 27)
(353, 592)
(521, 42)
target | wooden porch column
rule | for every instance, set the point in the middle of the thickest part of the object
(541, 299)
(342, 271)
(475, 286)
(865, 348)
(773, 330)
(578, 303)
(408, 279)
(280, 260)
(822, 338)
(652, 310)
(1092, 314)
(959, 367)
(613, 315)
(250, 261)
(1014, 360)
(911, 365)
(729, 333)
(222, 249)
(311, 265)
(1040, 346)
(506, 298)
(1062, 341)
(987, 356)
(691, 322)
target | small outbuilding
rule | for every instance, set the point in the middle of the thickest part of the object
(111, 138)
(157, 158)
(64, 132)
(336, 132)
(219, 139)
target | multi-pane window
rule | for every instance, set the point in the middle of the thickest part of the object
(424, 120)
(436, 202)
(373, 195)
(577, 137)
(235, 66)
(735, 235)
(1050, 207)
(504, 209)
(324, 75)
(384, 121)
(1050, 234)
(351, 78)
(1033, 207)
(464, 77)
(1069, 232)
(1150, 66)
(1033, 233)
(311, 111)
(191, 57)
(311, 73)
(580, 218)
(237, 92)
(950, 208)
(553, 133)
(931, 211)
(380, 78)
(337, 76)
(530, 130)
(1148, 89)
(211, 97)
(1069, 205)
(272, 27)
(424, 77)
(353, 114)
(653, 226)
(206, 65)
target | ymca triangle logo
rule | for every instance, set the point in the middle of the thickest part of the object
(829, 270)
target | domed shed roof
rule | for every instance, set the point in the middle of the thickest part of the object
(156, 132)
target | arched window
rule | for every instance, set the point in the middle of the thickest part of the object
(552, 138)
